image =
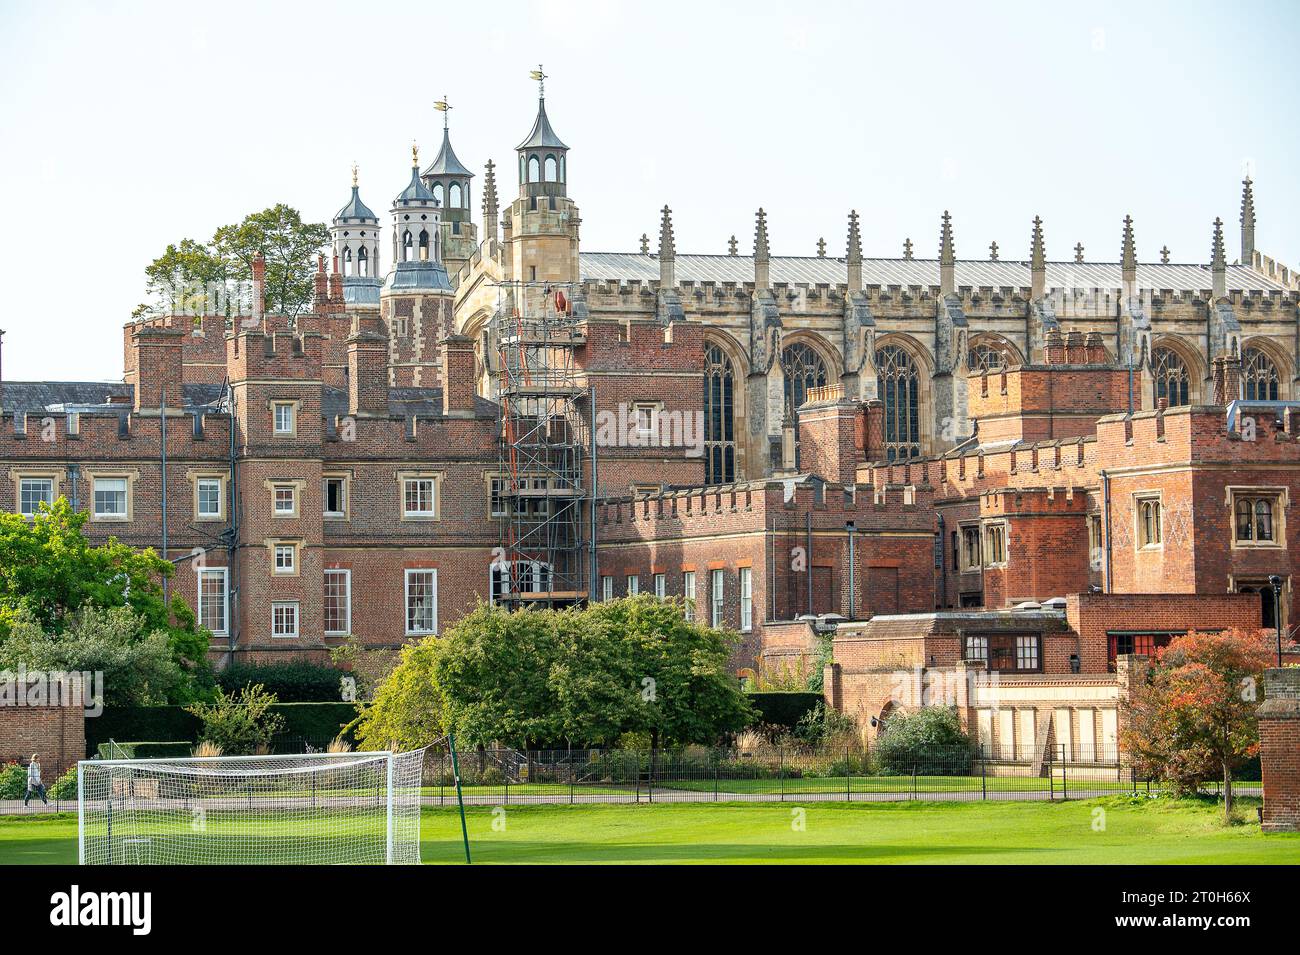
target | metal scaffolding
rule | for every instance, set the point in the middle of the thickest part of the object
(541, 492)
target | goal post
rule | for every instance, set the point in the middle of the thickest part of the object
(312, 809)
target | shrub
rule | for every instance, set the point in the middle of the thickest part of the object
(297, 682)
(145, 750)
(13, 781)
(928, 741)
(65, 787)
(240, 723)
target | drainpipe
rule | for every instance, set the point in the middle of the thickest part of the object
(162, 419)
(591, 501)
(1105, 510)
(851, 528)
(232, 625)
(808, 563)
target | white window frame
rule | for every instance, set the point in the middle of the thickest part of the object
(280, 549)
(278, 605)
(24, 479)
(290, 410)
(200, 602)
(633, 584)
(202, 483)
(688, 593)
(278, 511)
(406, 602)
(346, 574)
(607, 587)
(435, 496)
(122, 515)
(1140, 500)
(746, 599)
(651, 409)
(661, 585)
(717, 598)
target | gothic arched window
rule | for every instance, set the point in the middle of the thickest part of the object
(804, 369)
(363, 262)
(1172, 380)
(551, 169)
(719, 417)
(407, 247)
(424, 245)
(1259, 377)
(534, 169)
(453, 195)
(347, 262)
(437, 193)
(985, 358)
(899, 387)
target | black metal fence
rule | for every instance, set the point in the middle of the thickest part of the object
(502, 776)
(505, 776)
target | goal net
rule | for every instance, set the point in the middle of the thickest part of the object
(316, 809)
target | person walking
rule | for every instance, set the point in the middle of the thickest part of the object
(34, 784)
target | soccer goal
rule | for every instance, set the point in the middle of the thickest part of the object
(314, 809)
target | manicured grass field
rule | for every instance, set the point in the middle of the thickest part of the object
(1136, 830)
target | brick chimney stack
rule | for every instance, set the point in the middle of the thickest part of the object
(259, 288)
(458, 385)
(1227, 379)
(320, 285)
(157, 362)
(367, 373)
(336, 285)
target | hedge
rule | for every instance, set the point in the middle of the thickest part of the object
(313, 721)
(297, 682)
(145, 750)
(783, 708)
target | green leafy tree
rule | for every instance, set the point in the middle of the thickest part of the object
(182, 278)
(288, 245)
(139, 668)
(407, 711)
(1194, 716)
(680, 669)
(495, 672)
(239, 723)
(51, 571)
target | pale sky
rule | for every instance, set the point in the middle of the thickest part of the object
(127, 126)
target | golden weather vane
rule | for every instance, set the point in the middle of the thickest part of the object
(443, 107)
(540, 77)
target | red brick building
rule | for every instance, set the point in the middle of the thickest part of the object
(773, 437)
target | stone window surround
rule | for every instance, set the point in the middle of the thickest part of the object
(272, 543)
(195, 475)
(1282, 500)
(346, 478)
(130, 475)
(298, 488)
(434, 476)
(18, 475)
(1139, 540)
(292, 403)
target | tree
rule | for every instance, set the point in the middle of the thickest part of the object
(494, 670)
(288, 245)
(51, 572)
(182, 279)
(680, 668)
(588, 676)
(138, 670)
(1195, 713)
(240, 723)
(407, 711)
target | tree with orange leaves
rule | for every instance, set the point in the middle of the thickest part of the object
(1194, 715)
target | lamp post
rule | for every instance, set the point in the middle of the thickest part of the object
(1276, 583)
